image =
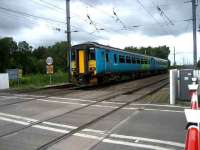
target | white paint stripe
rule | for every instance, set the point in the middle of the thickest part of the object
(18, 117)
(14, 121)
(72, 99)
(105, 106)
(91, 136)
(157, 105)
(84, 100)
(164, 110)
(25, 95)
(88, 136)
(50, 129)
(51, 101)
(60, 125)
(101, 106)
(72, 127)
(135, 145)
(113, 102)
(147, 140)
(11, 97)
(95, 131)
(47, 123)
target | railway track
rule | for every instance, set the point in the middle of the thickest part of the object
(68, 89)
(154, 86)
(64, 136)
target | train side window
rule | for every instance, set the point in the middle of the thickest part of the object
(115, 58)
(73, 56)
(92, 55)
(133, 60)
(121, 59)
(138, 61)
(107, 59)
(128, 59)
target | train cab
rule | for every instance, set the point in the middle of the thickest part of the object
(83, 64)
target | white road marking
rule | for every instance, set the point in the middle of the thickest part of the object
(14, 121)
(72, 99)
(158, 105)
(87, 136)
(59, 125)
(110, 141)
(25, 95)
(165, 110)
(59, 102)
(95, 131)
(106, 106)
(11, 97)
(84, 100)
(147, 140)
(18, 117)
(51, 129)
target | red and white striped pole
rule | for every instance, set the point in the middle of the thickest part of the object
(193, 136)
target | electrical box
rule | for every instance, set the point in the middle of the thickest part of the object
(185, 78)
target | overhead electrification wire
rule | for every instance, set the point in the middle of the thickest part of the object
(31, 15)
(163, 14)
(149, 13)
(41, 3)
(118, 19)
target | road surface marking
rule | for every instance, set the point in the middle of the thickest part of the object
(106, 106)
(110, 141)
(14, 121)
(59, 102)
(12, 97)
(50, 129)
(147, 139)
(158, 105)
(92, 130)
(18, 117)
(72, 99)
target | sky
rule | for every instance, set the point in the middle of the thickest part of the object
(110, 22)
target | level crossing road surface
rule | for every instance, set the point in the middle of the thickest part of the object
(134, 127)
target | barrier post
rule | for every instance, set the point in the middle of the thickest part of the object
(173, 82)
(193, 118)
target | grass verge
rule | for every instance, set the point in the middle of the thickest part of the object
(39, 80)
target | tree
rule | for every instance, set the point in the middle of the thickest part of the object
(24, 46)
(161, 51)
(58, 52)
(7, 47)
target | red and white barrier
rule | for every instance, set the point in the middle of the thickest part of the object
(193, 118)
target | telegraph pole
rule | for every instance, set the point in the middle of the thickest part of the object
(194, 6)
(68, 38)
(174, 56)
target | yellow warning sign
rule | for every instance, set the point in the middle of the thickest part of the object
(49, 69)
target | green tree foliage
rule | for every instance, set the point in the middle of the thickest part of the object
(23, 56)
(161, 51)
(7, 48)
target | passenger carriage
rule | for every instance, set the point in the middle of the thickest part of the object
(92, 62)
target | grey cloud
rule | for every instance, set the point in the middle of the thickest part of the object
(130, 13)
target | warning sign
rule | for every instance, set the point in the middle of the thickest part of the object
(49, 69)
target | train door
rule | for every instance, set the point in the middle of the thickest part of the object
(82, 62)
(108, 62)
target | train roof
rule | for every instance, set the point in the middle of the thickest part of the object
(97, 45)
